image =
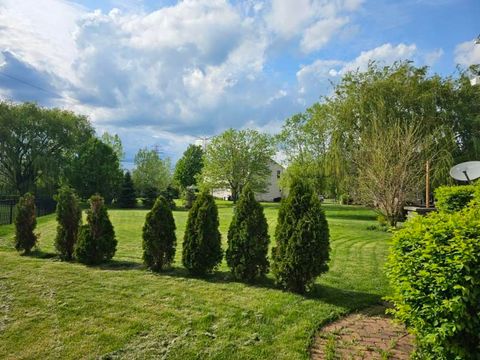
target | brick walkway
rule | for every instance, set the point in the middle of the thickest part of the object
(366, 335)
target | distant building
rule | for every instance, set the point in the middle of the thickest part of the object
(273, 191)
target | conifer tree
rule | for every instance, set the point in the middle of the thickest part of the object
(202, 251)
(69, 218)
(25, 223)
(96, 240)
(127, 198)
(248, 239)
(302, 239)
(159, 238)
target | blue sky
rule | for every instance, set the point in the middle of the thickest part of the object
(162, 72)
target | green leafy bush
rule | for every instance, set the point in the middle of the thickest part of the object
(96, 241)
(248, 239)
(69, 218)
(453, 198)
(159, 238)
(202, 251)
(434, 269)
(25, 223)
(302, 237)
(127, 198)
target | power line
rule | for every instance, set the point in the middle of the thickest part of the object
(30, 84)
(204, 140)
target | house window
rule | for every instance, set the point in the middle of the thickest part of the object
(278, 174)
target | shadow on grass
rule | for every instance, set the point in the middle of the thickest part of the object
(349, 299)
(120, 265)
(40, 254)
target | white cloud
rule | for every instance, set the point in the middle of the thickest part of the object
(315, 22)
(320, 33)
(287, 17)
(433, 56)
(40, 33)
(467, 53)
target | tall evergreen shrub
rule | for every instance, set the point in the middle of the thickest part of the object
(202, 251)
(302, 240)
(127, 198)
(248, 239)
(159, 238)
(69, 218)
(96, 240)
(25, 223)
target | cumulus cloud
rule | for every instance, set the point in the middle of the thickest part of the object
(467, 53)
(40, 33)
(315, 22)
(320, 33)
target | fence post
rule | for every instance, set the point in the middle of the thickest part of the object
(11, 211)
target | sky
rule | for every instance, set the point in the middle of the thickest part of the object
(162, 73)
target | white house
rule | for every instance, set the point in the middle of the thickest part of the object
(273, 191)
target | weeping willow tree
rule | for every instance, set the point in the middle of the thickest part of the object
(381, 121)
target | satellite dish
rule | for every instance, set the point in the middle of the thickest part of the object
(466, 171)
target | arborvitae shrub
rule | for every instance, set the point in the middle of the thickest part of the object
(96, 240)
(434, 270)
(159, 238)
(127, 198)
(302, 240)
(248, 239)
(202, 251)
(69, 218)
(25, 222)
(453, 198)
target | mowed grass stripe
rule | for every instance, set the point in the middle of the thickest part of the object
(67, 310)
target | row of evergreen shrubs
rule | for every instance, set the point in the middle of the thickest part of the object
(300, 255)
(434, 269)
(302, 238)
(92, 243)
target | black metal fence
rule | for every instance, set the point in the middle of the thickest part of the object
(8, 207)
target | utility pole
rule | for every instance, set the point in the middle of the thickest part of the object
(427, 184)
(156, 148)
(204, 141)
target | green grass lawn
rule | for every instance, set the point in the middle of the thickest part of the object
(55, 310)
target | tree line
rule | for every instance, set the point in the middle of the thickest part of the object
(368, 142)
(371, 139)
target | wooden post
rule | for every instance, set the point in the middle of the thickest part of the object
(427, 184)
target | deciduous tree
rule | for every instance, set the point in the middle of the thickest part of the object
(237, 157)
(96, 170)
(189, 166)
(151, 172)
(37, 144)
